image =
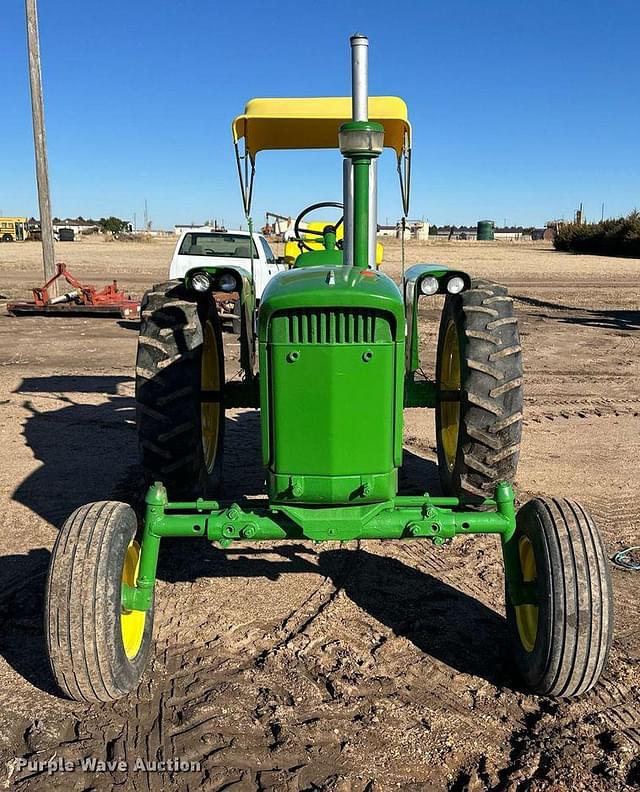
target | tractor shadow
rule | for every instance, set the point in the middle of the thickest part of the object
(129, 324)
(418, 475)
(607, 319)
(437, 618)
(21, 606)
(87, 450)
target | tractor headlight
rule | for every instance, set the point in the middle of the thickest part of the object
(455, 285)
(200, 281)
(429, 285)
(227, 282)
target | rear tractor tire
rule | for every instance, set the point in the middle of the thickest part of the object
(561, 621)
(97, 651)
(179, 391)
(479, 402)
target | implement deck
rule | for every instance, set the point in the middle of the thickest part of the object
(128, 309)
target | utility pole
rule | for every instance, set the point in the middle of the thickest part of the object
(40, 142)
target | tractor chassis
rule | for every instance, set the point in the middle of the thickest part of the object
(405, 517)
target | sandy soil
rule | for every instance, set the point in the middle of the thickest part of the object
(368, 666)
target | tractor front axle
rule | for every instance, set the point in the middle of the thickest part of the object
(404, 517)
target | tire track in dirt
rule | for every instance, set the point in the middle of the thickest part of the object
(548, 408)
(339, 676)
(445, 563)
(614, 706)
(178, 710)
(608, 716)
(564, 745)
(590, 743)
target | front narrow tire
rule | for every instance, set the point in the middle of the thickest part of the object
(561, 620)
(97, 651)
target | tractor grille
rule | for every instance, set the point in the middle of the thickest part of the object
(331, 326)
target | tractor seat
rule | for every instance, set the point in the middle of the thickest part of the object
(319, 258)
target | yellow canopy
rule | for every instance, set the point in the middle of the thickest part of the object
(314, 123)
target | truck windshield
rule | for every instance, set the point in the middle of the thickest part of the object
(229, 245)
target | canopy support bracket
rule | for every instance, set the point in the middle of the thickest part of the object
(246, 179)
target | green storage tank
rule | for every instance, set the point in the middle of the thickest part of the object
(485, 230)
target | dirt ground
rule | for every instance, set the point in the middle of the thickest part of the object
(367, 666)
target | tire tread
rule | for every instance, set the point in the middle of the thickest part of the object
(168, 392)
(76, 603)
(492, 382)
(571, 560)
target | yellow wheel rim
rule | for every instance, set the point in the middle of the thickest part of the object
(210, 411)
(527, 615)
(449, 377)
(132, 622)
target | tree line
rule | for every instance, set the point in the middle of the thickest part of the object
(615, 237)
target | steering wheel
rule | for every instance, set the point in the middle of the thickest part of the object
(312, 208)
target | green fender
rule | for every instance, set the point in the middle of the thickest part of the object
(412, 281)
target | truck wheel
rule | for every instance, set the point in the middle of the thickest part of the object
(561, 622)
(97, 651)
(179, 391)
(479, 379)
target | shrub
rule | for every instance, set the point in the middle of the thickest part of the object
(617, 237)
(112, 225)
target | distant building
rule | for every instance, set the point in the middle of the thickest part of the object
(420, 230)
(509, 233)
(414, 229)
(78, 225)
(457, 232)
(180, 227)
(538, 234)
(387, 230)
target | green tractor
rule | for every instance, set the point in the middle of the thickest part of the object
(330, 358)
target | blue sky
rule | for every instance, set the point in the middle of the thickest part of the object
(520, 110)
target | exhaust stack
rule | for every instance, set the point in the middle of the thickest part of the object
(361, 142)
(359, 77)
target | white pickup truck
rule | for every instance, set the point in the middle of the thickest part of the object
(209, 246)
(213, 247)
